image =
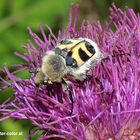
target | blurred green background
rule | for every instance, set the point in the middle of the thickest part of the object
(17, 15)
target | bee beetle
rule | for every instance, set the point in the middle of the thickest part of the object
(71, 59)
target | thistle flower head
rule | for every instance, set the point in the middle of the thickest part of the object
(106, 106)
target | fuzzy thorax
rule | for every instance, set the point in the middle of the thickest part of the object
(53, 66)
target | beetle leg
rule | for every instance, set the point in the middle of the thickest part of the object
(67, 89)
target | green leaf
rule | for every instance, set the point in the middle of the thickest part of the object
(2, 4)
(44, 11)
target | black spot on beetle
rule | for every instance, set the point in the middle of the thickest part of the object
(90, 48)
(83, 55)
(70, 61)
(65, 42)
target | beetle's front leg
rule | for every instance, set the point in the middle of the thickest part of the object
(66, 88)
(34, 70)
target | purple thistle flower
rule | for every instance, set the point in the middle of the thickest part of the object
(106, 106)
